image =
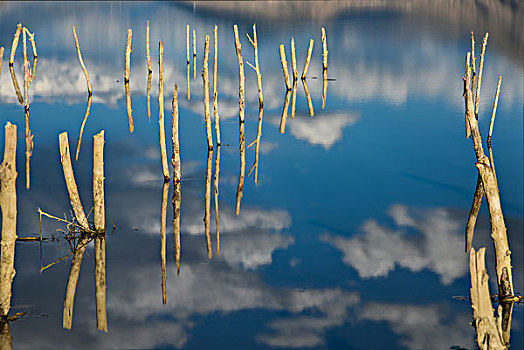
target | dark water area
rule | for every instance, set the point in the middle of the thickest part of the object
(353, 236)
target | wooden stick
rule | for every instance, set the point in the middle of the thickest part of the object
(241, 104)
(294, 59)
(163, 151)
(8, 176)
(35, 56)
(241, 98)
(324, 50)
(176, 221)
(474, 75)
(149, 74)
(489, 332)
(217, 217)
(14, 44)
(188, 64)
(257, 147)
(98, 181)
(284, 66)
(254, 42)
(491, 129)
(207, 213)
(324, 88)
(284, 112)
(308, 97)
(89, 93)
(475, 208)
(498, 227)
(100, 283)
(308, 58)
(194, 55)
(28, 136)
(294, 99)
(15, 85)
(215, 92)
(175, 158)
(69, 177)
(240, 187)
(205, 77)
(1, 58)
(163, 220)
(126, 81)
(72, 281)
(481, 66)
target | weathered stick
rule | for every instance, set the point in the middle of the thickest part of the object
(241, 104)
(176, 222)
(324, 50)
(205, 77)
(215, 92)
(207, 214)
(324, 88)
(163, 220)
(15, 85)
(491, 129)
(293, 59)
(8, 176)
(89, 93)
(474, 75)
(126, 81)
(194, 55)
(284, 112)
(28, 136)
(257, 143)
(308, 97)
(488, 329)
(14, 46)
(481, 66)
(217, 217)
(35, 56)
(163, 151)
(475, 208)
(74, 272)
(294, 99)
(6, 339)
(175, 160)
(254, 42)
(1, 58)
(149, 74)
(308, 58)
(69, 177)
(188, 63)
(284, 66)
(99, 209)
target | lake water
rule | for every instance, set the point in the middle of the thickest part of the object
(353, 236)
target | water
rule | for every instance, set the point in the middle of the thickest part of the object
(353, 236)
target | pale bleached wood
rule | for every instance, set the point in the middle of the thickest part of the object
(308, 58)
(254, 42)
(284, 112)
(257, 144)
(490, 133)
(8, 204)
(293, 59)
(177, 200)
(241, 97)
(284, 66)
(100, 283)
(207, 213)
(479, 80)
(35, 56)
(69, 177)
(205, 77)
(149, 73)
(324, 50)
(72, 281)
(98, 181)
(194, 55)
(215, 91)
(294, 99)
(242, 172)
(89, 93)
(473, 214)
(163, 221)
(14, 46)
(148, 51)
(489, 332)
(1, 58)
(175, 158)
(241, 104)
(28, 135)
(126, 81)
(308, 97)
(161, 123)
(188, 64)
(216, 182)
(324, 88)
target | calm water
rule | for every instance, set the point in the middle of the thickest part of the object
(353, 237)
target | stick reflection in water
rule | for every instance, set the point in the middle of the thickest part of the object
(175, 160)
(207, 214)
(241, 105)
(163, 219)
(284, 112)
(126, 81)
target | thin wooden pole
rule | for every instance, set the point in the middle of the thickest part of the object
(205, 77)
(1, 58)
(308, 58)
(257, 143)
(175, 159)
(293, 59)
(324, 50)
(284, 66)
(8, 176)
(15, 85)
(89, 93)
(163, 151)
(14, 46)
(194, 55)
(294, 99)
(216, 182)
(72, 281)
(215, 91)
(177, 200)
(284, 112)
(207, 214)
(149, 74)
(324, 87)
(308, 97)
(241, 103)
(491, 129)
(33, 45)
(481, 67)
(100, 283)
(163, 220)
(254, 42)
(188, 64)
(241, 98)
(28, 135)
(126, 81)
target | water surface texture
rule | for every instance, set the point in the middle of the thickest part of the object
(353, 236)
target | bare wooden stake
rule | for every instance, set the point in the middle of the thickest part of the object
(257, 143)
(324, 88)
(242, 174)
(475, 208)
(69, 177)
(126, 81)
(89, 93)
(241, 104)
(284, 112)
(100, 282)
(491, 129)
(177, 200)
(294, 99)
(175, 160)
(215, 92)
(188, 64)
(217, 216)
(254, 42)
(241, 97)
(149, 74)
(308, 58)
(14, 46)
(481, 66)
(308, 97)
(284, 66)
(1, 58)
(194, 55)
(207, 214)
(28, 135)
(205, 77)
(294, 59)
(324, 50)
(8, 176)
(72, 281)
(163, 220)
(161, 124)
(35, 56)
